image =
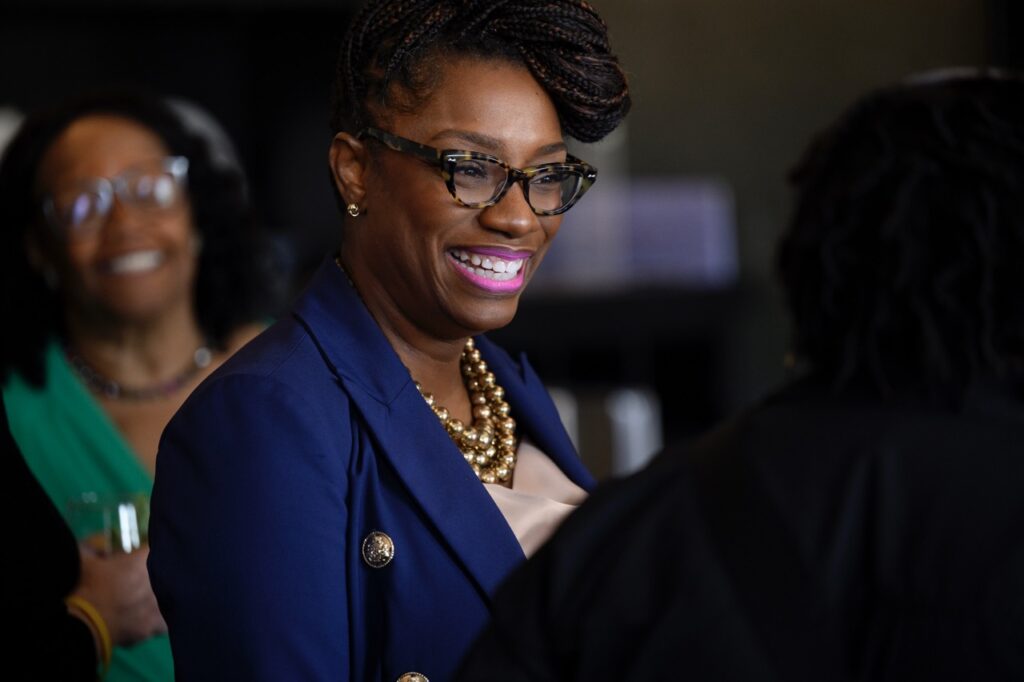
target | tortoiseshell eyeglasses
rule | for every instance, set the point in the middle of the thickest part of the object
(477, 180)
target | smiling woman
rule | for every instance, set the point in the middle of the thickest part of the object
(122, 254)
(132, 269)
(397, 464)
(411, 226)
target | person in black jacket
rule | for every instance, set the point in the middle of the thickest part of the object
(865, 522)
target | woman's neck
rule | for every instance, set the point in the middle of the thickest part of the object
(434, 365)
(137, 352)
(432, 362)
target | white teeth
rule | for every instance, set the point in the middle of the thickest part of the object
(136, 262)
(488, 266)
(488, 274)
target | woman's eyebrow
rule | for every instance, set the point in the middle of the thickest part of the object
(477, 139)
(493, 144)
(552, 148)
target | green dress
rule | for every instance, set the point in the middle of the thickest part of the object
(72, 447)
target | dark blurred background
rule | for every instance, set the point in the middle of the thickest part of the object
(657, 312)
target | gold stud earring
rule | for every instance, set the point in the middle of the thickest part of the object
(353, 210)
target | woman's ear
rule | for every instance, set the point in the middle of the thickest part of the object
(349, 160)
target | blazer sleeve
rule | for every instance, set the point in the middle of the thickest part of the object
(247, 530)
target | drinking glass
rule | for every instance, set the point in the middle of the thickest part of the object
(110, 523)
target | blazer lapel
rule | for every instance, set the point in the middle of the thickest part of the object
(409, 436)
(438, 478)
(535, 412)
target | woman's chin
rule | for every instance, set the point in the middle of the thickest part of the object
(135, 298)
(128, 306)
(488, 318)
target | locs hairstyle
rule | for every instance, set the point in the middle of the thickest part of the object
(564, 44)
(237, 280)
(902, 264)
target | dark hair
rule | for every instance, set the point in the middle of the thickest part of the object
(564, 44)
(237, 280)
(902, 266)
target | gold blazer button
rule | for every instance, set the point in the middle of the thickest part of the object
(378, 551)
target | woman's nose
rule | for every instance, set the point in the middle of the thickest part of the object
(512, 215)
(121, 219)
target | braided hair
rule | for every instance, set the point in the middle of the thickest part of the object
(902, 265)
(564, 44)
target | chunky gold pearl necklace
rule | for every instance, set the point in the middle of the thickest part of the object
(489, 445)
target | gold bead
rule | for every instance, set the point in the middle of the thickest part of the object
(488, 444)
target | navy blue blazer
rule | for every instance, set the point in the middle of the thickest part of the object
(281, 463)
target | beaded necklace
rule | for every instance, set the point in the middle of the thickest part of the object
(105, 386)
(489, 444)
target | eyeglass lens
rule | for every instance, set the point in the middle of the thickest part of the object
(84, 208)
(478, 181)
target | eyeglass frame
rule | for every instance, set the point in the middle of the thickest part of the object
(116, 186)
(445, 159)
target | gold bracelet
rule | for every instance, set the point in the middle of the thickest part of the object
(94, 618)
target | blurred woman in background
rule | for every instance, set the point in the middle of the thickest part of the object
(132, 268)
